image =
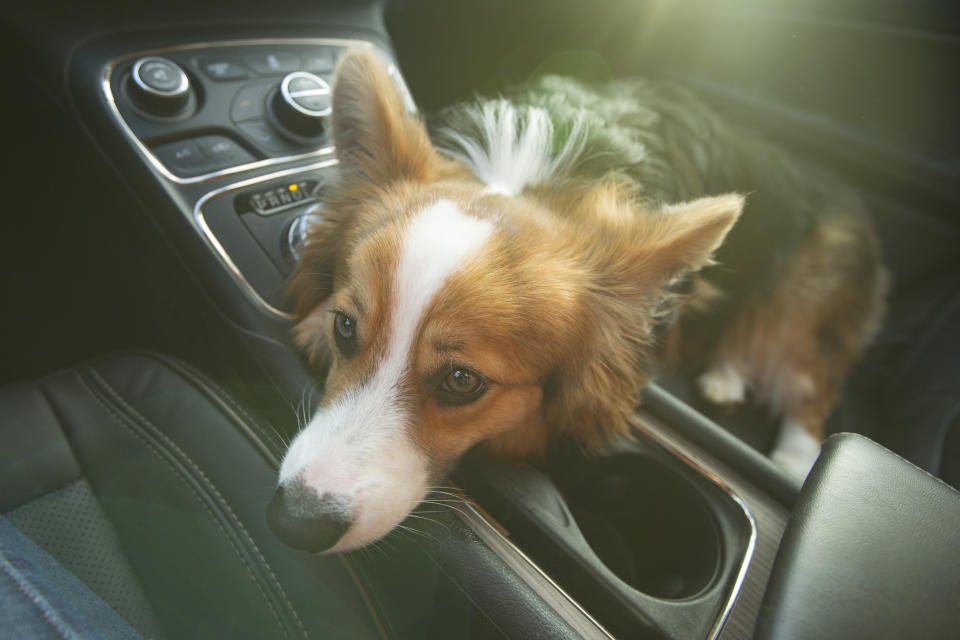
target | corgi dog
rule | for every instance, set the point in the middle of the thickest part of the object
(521, 275)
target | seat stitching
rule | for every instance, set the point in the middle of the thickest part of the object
(270, 435)
(228, 399)
(211, 486)
(123, 421)
(185, 368)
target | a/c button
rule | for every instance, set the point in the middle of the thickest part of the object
(183, 158)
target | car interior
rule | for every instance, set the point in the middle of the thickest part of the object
(164, 163)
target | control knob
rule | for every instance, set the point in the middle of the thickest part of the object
(298, 233)
(160, 87)
(302, 104)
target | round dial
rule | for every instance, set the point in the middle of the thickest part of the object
(159, 86)
(298, 233)
(302, 103)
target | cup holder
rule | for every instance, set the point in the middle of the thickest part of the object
(646, 543)
(647, 524)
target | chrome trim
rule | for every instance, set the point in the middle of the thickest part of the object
(664, 443)
(180, 89)
(158, 166)
(218, 249)
(487, 531)
(288, 97)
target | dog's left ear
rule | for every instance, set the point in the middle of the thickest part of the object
(377, 139)
(679, 238)
(636, 255)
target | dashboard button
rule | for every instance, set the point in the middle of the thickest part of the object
(183, 158)
(219, 69)
(266, 138)
(302, 104)
(223, 151)
(248, 103)
(160, 87)
(275, 63)
(161, 75)
(322, 61)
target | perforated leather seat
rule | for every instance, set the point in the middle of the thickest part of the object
(149, 484)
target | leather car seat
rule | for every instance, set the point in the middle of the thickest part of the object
(149, 484)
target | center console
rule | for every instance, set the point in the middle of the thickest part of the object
(226, 143)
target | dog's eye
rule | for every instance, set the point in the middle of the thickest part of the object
(461, 386)
(344, 333)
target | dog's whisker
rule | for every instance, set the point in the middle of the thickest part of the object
(383, 545)
(441, 492)
(452, 507)
(416, 532)
(431, 521)
(406, 533)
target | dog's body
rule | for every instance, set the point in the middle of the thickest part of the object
(524, 284)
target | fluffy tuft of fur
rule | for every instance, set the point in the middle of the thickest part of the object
(514, 147)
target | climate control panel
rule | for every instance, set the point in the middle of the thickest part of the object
(238, 133)
(203, 111)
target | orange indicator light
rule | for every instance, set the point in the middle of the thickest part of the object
(293, 187)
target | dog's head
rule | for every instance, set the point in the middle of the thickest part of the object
(447, 313)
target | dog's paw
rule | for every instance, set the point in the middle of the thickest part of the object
(796, 450)
(723, 385)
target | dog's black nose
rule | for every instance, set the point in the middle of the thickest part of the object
(305, 521)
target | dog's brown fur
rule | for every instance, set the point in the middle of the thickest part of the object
(562, 312)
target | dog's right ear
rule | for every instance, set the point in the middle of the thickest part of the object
(377, 139)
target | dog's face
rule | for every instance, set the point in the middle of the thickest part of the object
(447, 314)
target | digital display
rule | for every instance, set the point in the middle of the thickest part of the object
(277, 198)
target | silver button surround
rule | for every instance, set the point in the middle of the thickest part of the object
(290, 96)
(183, 86)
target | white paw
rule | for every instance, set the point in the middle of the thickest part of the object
(796, 450)
(723, 385)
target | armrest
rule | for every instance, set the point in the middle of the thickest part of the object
(872, 550)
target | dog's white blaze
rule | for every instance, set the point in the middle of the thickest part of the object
(359, 444)
(516, 149)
